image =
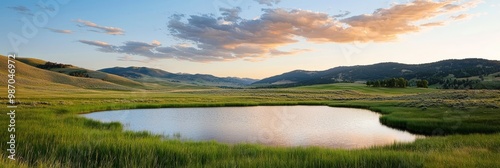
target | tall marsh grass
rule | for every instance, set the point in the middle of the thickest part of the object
(52, 135)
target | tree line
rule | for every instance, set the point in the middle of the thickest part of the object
(396, 83)
(459, 84)
(391, 83)
(81, 73)
(50, 65)
(422, 84)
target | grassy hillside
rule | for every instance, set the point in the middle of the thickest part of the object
(491, 81)
(365, 89)
(92, 74)
(34, 78)
(433, 72)
(31, 61)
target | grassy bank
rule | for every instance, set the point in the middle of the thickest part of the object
(50, 134)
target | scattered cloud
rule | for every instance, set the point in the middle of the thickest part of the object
(47, 8)
(461, 16)
(230, 15)
(103, 46)
(453, 6)
(100, 29)
(275, 52)
(344, 14)
(386, 24)
(95, 43)
(156, 43)
(60, 31)
(21, 10)
(268, 2)
(431, 24)
(129, 58)
(131, 48)
(27, 11)
(231, 37)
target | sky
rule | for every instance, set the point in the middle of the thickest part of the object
(249, 38)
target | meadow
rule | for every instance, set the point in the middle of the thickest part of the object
(463, 128)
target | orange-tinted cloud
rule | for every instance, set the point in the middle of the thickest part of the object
(433, 24)
(461, 16)
(231, 37)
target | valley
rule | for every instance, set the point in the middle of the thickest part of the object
(462, 126)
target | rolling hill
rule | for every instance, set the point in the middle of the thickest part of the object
(448, 73)
(82, 72)
(145, 74)
(30, 77)
(434, 72)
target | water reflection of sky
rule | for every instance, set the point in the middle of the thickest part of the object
(269, 125)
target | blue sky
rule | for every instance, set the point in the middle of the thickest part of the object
(249, 38)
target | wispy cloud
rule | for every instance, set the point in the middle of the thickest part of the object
(21, 10)
(131, 48)
(100, 29)
(268, 2)
(129, 58)
(60, 31)
(461, 16)
(103, 46)
(431, 24)
(344, 14)
(95, 43)
(47, 8)
(231, 37)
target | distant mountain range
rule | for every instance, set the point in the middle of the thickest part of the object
(150, 74)
(434, 72)
(485, 74)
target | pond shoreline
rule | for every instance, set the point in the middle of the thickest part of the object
(299, 125)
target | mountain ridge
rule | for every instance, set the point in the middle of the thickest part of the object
(434, 72)
(140, 73)
(438, 73)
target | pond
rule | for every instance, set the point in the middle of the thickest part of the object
(321, 126)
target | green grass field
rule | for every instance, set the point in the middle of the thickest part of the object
(463, 126)
(369, 90)
(50, 134)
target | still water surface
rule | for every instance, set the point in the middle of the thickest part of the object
(269, 125)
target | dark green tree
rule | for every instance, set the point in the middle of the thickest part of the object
(423, 84)
(377, 84)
